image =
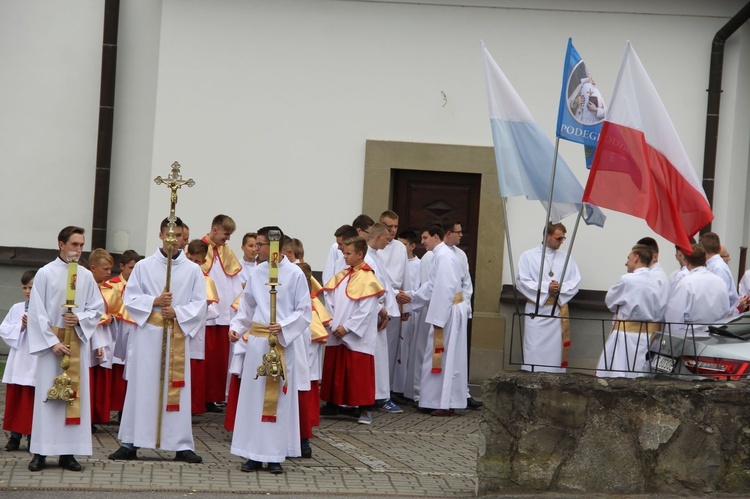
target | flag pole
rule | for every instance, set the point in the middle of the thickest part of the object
(510, 253)
(546, 222)
(567, 258)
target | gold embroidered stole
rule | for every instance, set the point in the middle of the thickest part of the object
(271, 394)
(438, 341)
(72, 409)
(229, 263)
(176, 360)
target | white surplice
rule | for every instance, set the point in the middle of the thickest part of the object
(421, 333)
(253, 438)
(395, 257)
(382, 368)
(140, 413)
(719, 267)
(448, 388)
(542, 336)
(635, 297)
(359, 318)
(50, 435)
(405, 356)
(334, 263)
(20, 367)
(701, 298)
(665, 286)
(745, 284)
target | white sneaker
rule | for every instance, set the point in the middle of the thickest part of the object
(365, 417)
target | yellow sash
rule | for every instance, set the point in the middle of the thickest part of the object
(271, 395)
(176, 360)
(229, 263)
(438, 341)
(625, 326)
(73, 409)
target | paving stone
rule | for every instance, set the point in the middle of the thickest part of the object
(409, 454)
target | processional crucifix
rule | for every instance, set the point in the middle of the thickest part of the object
(174, 181)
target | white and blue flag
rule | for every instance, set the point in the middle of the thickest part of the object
(524, 155)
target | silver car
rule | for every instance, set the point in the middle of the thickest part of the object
(720, 351)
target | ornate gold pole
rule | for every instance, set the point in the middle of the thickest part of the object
(272, 365)
(62, 386)
(174, 181)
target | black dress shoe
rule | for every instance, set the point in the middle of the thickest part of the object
(251, 465)
(329, 410)
(69, 463)
(188, 456)
(472, 403)
(211, 407)
(400, 399)
(14, 443)
(124, 454)
(38, 462)
(275, 468)
(306, 448)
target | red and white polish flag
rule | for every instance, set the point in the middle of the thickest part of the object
(640, 167)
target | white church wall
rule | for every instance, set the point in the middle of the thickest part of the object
(50, 55)
(268, 105)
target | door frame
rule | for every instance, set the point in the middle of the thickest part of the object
(381, 157)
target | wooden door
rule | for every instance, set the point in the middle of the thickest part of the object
(421, 197)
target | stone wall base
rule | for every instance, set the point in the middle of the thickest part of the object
(578, 434)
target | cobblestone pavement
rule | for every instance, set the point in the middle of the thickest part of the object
(409, 454)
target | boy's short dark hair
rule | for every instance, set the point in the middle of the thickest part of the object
(299, 248)
(435, 230)
(448, 224)
(263, 231)
(197, 247)
(64, 235)
(711, 242)
(249, 235)
(28, 276)
(363, 222)
(409, 235)
(651, 243)
(645, 254)
(698, 258)
(128, 256)
(165, 223)
(346, 232)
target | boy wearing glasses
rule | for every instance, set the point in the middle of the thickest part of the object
(546, 339)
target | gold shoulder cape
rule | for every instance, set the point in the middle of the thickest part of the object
(320, 320)
(229, 263)
(362, 282)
